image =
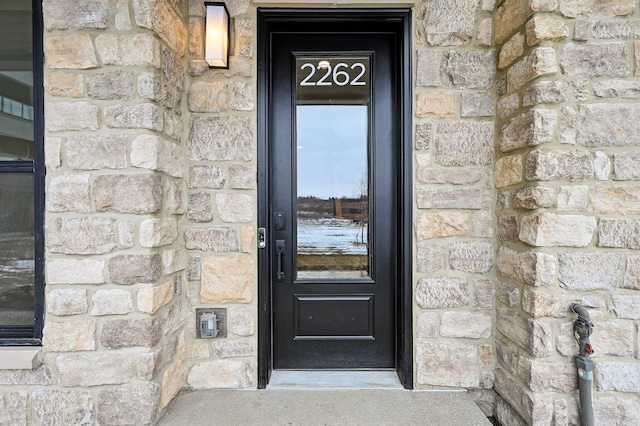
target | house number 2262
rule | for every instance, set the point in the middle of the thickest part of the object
(341, 74)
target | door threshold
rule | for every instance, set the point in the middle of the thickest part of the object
(334, 379)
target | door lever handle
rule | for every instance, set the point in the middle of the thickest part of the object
(280, 254)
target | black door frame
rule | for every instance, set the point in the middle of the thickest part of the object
(398, 21)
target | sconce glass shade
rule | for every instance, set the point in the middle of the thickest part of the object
(217, 35)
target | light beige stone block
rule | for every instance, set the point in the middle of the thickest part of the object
(510, 16)
(464, 143)
(52, 158)
(440, 225)
(123, 17)
(242, 97)
(61, 15)
(533, 336)
(626, 306)
(69, 336)
(533, 197)
(544, 5)
(64, 85)
(447, 364)
(220, 374)
(531, 128)
(533, 268)
(623, 199)
(595, 60)
(208, 96)
(590, 271)
(472, 256)
(163, 19)
(137, 50)
(436, 28)
(428, 68)
(111, 85)
(67, 301)
(468, 70)
(172, 196)
(427, 325)
(548, 229)
(63, 116)
(196, 37)
(429, 257)
(548, 376)
(246, 236)
(235, 208)
(575, 8)
(541, 61)
(543, 304)
(573, 198)
(618, 376)
(68, 193)
(93, 369)
(60, 406)
(435, 105)
(465, 325)
(95, 152)
(484, 32)
(111, 302)
(442, 292)
(542, 29)
(245, 29)
(470, 199)
(172, 381)
(82, 235)
(221, 139)
(133, 269)
(227, 279)
(609, 124)
(75, 271)
(509, 171)
(232, 349)
(174, 260)
(152, 298)
(511, 51)
(135, 116)
(128, 333)
(74, 51)
(137, 194)
(158, 232)
(241, 322)
(135, 404)
(214, 239)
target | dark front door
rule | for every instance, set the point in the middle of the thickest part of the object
(333, 185)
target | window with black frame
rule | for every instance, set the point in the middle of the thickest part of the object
(21, 173)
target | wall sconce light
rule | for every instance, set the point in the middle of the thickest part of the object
(217, 35)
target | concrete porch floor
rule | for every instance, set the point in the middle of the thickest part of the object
(369, 402)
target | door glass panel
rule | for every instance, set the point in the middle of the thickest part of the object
(17, 249)
(332, 191)
(16, 81)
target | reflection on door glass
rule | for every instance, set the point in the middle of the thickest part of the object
(333, 191)
(17, 250)
(16, 81)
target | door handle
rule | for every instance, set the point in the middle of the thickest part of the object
(280, 254)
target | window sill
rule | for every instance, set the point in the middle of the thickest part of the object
(19, 357)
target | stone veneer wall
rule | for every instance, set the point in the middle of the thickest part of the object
(568, 118)
(151, 207)
(114, 340)
(454, 156)
(220, 225)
